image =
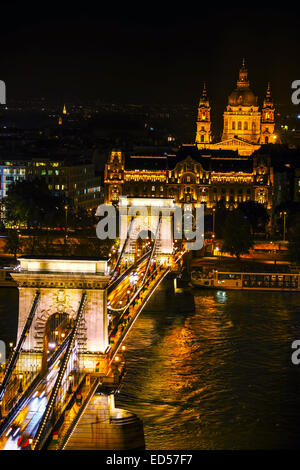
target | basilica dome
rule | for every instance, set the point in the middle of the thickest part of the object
(242, 97)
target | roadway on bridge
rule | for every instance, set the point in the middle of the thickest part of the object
(27, 420)
(120, 296)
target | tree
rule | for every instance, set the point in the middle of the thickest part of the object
(30, 203)
(12, 244)
(236, 234)
(255, 213)
(220, 216)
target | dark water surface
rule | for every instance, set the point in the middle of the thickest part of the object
(208, 369)
(213, 371)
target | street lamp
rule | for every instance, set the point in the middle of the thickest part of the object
(66, 221)
(284, 213)
(20, 390)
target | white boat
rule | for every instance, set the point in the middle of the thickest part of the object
(246, 281)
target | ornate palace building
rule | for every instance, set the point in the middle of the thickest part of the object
(233, 170)
(191, 175)
(245, 126)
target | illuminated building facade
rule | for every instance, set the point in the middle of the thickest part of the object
(77, 181)
(11, 172)
(245, 126)
(192, 175)
(232, 171)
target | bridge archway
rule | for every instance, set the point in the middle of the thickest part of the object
(146, 212)
(56, 329)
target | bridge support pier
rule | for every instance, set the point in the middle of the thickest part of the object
(61, 283)
(104, 427)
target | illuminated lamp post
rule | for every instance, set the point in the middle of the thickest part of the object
(66, 222)
(214, 216)
(284, 224)
(20, 386)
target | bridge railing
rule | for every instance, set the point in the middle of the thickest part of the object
(40, 437)
(24, 398)
(122, 276)
(153, 248)
(140, 306)
(124, 246)
(65, 438)
(14, 357)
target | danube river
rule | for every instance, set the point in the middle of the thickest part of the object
(208, 369)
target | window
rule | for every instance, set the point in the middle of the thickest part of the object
(239, 126)
(202, 138)
(233, 125)
(245, 126)
(266, 140)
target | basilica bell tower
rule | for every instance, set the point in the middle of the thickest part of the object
(268, 119)
(203, 134)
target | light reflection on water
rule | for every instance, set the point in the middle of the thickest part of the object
(210, 371)
(213, 371)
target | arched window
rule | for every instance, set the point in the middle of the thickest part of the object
(233, 125)
(202, 138)
(239, 126)
(266, 140)
(253, 127)
(245, 125)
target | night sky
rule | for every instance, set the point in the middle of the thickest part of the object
(148, 55)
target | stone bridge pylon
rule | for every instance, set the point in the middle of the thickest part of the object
(61, 284)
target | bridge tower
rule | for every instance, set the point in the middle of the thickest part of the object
(61, 282)
(146, 212)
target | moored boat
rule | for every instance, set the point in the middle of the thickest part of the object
(215, 279)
